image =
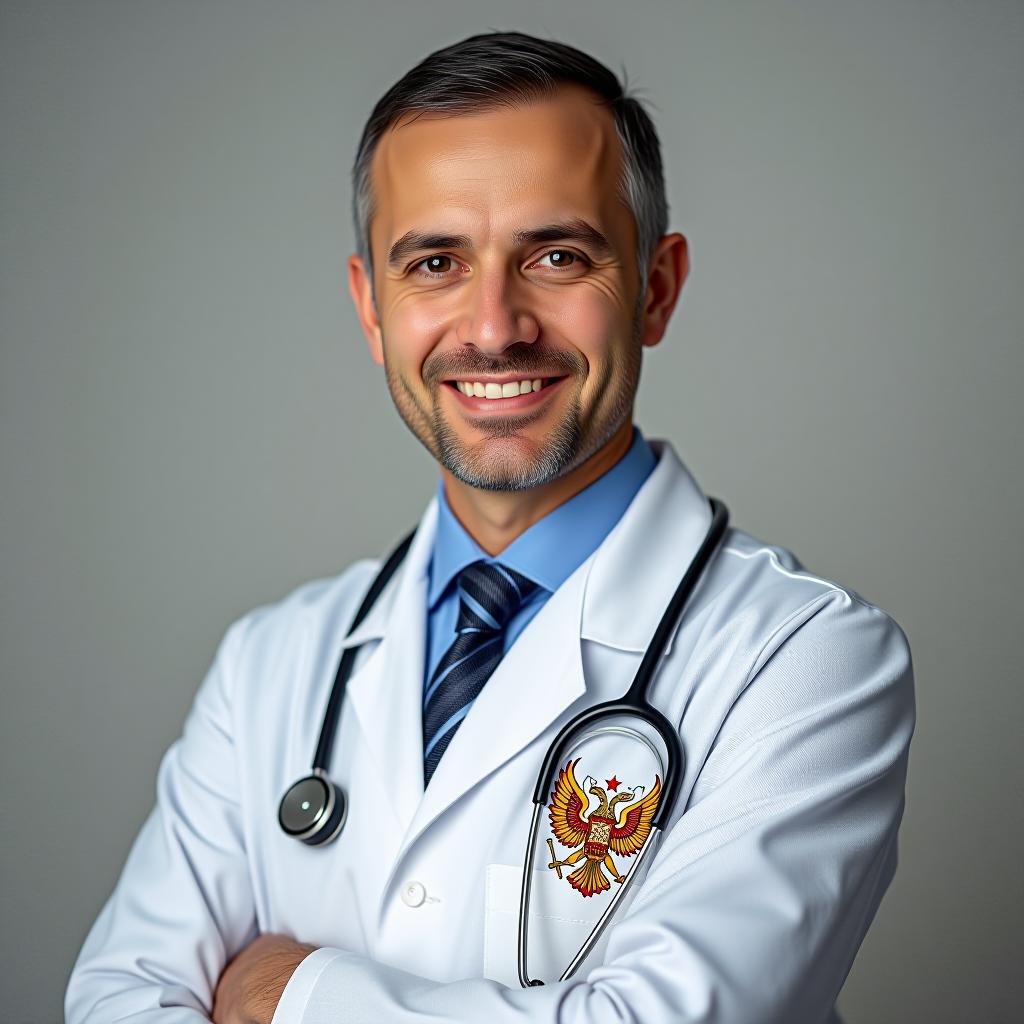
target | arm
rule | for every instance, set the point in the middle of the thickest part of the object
(183, 904)
(760, 895)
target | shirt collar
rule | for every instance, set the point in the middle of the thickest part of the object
(554, 546)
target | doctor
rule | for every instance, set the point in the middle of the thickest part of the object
(513, 264)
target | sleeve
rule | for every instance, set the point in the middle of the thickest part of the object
(759, 896)
(183, 904)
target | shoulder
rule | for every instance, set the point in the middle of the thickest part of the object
(769, 582)
(277, 630)
(815, 650)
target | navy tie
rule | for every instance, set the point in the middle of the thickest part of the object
(489, 595)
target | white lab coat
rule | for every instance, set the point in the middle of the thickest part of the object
(794, 702)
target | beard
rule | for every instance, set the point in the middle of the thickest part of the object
(505, 460)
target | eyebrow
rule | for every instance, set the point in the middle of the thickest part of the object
(575, 229)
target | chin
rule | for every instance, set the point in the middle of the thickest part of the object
(505, 464)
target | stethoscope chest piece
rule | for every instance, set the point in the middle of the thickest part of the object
(313, 810)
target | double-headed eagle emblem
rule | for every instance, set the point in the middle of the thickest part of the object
(603, 831)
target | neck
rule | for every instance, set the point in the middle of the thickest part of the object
(495, 518)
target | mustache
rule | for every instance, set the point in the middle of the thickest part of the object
(523, 358)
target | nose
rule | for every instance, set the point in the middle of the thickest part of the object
(496, 315)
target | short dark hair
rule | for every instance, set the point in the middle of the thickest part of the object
(493, 69)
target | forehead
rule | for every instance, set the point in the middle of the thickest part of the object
(489, 172)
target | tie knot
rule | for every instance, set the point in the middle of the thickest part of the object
(491, 593)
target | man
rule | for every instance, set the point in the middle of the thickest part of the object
(513, 263)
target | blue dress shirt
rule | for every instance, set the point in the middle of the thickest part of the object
(546, 553)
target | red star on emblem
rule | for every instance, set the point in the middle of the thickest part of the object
(612, 783)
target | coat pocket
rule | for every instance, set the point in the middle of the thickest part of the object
(560, 922)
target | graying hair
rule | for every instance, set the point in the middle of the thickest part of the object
(497, 69)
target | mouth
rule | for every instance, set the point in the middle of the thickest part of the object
(503, 394)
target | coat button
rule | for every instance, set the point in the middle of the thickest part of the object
(413, 894)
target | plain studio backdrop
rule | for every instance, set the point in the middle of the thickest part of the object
(190, 424)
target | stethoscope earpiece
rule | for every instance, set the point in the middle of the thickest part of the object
(313, 810)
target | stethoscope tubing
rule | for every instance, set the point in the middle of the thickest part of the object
(634, 703)
(328, 730)
(595, 933)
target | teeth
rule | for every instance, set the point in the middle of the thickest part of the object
(491, 390)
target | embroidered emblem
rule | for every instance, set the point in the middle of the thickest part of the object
(602, 832)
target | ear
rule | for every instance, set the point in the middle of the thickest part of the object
(669, 266)
(361, 290)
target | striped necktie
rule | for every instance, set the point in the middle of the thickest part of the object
(489, 595)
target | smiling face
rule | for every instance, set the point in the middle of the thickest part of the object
(505, 265)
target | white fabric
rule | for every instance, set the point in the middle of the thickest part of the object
(795, 704)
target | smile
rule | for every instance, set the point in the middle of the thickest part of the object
(504, 396)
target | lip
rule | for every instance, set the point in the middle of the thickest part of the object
(516, 403)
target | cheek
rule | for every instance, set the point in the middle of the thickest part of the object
(590, 323)
(412, 332)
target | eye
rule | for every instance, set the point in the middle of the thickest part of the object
(435, 266)
(563, 258)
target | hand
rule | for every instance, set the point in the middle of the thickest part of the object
(250, 987)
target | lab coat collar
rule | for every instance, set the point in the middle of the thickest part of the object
(626, 563)
(640, 563)
(414, 566)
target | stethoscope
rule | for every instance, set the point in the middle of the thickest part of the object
(314, 809)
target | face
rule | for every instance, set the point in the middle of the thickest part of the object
(508, 316)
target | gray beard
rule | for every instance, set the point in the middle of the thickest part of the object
(497, 473)
(565, 448)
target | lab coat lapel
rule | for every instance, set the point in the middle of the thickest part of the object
(386, 691)
(540, 676)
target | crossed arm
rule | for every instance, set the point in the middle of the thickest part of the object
(753, 909)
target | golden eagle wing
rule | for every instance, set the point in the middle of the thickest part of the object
(634, 825)
(568, 802)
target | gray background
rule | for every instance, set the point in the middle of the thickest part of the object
(190, 424)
